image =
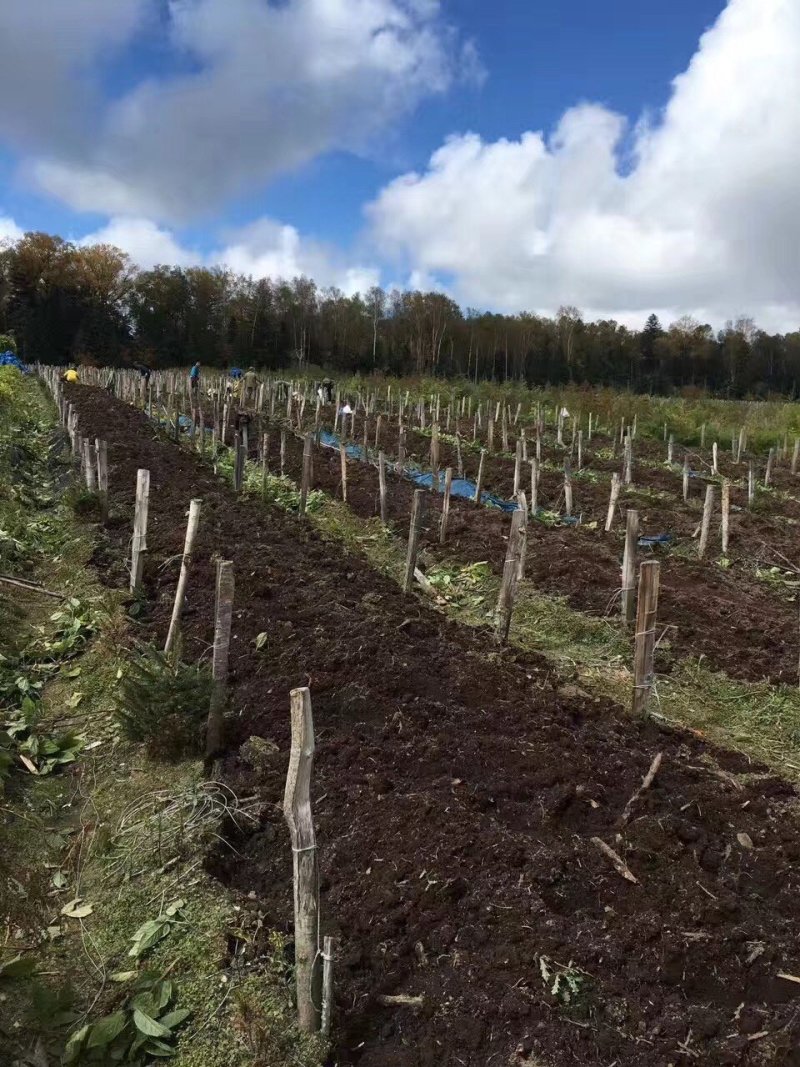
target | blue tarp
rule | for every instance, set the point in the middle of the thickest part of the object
(655, 539)
(8, 359)
(460, 486)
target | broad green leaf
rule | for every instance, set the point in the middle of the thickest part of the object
(175, 907)
(104, 1031)
(175, 1018)
(158, 1048)
(75, 1044)
(146, 1025)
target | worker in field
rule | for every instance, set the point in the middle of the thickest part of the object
(194, 380)
(144, 371)
(71, 375)
(250, 386)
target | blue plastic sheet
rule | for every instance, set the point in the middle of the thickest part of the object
(655, 539)
(462, 487)
(8, 359)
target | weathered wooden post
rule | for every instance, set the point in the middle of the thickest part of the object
(517, 466)
(238, 462)
(343, 465)
(183, 578)
(671, 449)
(768, 471)
(417, 510)
(448, 484)
(382, 486)
(327, 985)
(685, 478)
(645, 639)
(715, 459)
(534, 487)
(795, 455)
(580, 450)
(751, 484)
(283, 452)
(89, 465)
(435, 457)
(459, 460)
(490, 433)
(628, 602)
(705, 526)
(508, 585)
(567, 489)
(628, 460)
(223, 614)
(522, 503)
(264, 462)
(299, 819)
(726, 510)
(479, 480)
(612, 501)
(305, 483)
(101, 455)
(401, 450)
(139, 543)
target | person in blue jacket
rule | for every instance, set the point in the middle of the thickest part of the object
(194, 378)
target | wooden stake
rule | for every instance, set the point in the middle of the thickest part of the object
(283, 452)
(612, 501)
(479, 480)
(726, 509)
(768, 472)
(751, 484)
(223, 614)
(448, 483)
(508, 585)
(401, 451)
(382, 486)
(685, 478)
(534, 487)
(671, 450)
(327, 985)
(517, 466)
(708, 508)
(183, 579)
(580, 450)
(714, 458)
(305, 483)
(139, 544)
(417, 509)
(299, 819)
(88, 465)
(628, 602)
(343, 462)
(795, 455)
(101, 455)
(628, 461)
(567, 489)
(435, 457)
(264, 462)
(645, 642)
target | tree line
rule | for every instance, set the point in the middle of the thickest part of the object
(62, 302)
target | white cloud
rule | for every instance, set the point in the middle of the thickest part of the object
(257, 88)
(264, 248)
(9, 231)
(707, 219)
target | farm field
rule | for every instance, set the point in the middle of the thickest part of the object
(461, 785)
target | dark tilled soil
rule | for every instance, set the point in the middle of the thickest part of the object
(457, 793)
(737, 623)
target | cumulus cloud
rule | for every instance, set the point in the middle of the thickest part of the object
(256, 88)
(706, 218)
(263, 249)
(9, 231)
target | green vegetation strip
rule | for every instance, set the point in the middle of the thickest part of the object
(120, 947)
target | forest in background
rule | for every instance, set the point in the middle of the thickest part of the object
(63, 302)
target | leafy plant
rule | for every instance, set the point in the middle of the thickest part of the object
(144, 1026)
(155, 930)
(165, 703)
(566, 984)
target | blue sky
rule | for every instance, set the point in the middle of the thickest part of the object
(330, 137)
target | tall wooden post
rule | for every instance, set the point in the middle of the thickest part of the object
(264, 462)
(382, 486)
(726, 510)
(685, 478)
(417, 509)
(305, 483)
(751, 484)
(479, 480)
(448, 483)
(768, 472)
(343, 464)
(715, 459)
(705, 526)
(612, 501)
(101, 455)
(645, 639)
(183, 579)
(435, 457)
(508, 585)
(567, 489)
(401, 450)
(517, 467)
(139, 543)
(89, 465)
(628, 462)
(299, 819)
(534, 487)
(628, 602)
(223, 614)
(795, 455)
